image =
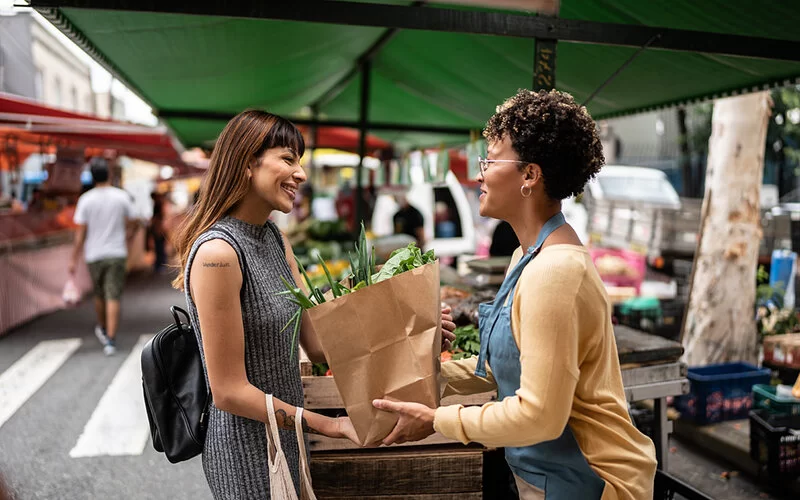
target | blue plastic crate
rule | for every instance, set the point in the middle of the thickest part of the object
(720, 392)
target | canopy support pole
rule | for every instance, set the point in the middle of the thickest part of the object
(314, 136)
(544, 57)
(366, 73)
(544, 65)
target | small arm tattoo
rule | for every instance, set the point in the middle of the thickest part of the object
(287, 422)
(216, 264)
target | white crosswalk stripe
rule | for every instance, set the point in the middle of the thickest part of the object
(28, 374)
(118, 425)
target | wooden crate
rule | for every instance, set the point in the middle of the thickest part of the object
(423, 472)
(441, 496)
(413, 471)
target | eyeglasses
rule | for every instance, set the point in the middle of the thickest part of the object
(483, 163)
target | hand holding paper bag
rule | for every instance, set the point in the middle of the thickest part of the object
(415, 421)
(383, 342)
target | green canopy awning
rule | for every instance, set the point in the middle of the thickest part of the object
(198, 70)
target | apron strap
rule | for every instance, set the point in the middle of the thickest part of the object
(549, 228)
(510, 283)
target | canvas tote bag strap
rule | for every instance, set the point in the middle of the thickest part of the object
(306, 491)
(281, 486)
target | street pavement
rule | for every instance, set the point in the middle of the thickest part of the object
(72, 421)
(73, 426)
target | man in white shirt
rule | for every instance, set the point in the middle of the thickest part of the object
(105, 219)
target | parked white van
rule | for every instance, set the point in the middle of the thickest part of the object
(455, 233)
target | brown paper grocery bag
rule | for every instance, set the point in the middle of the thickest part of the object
(383, 342)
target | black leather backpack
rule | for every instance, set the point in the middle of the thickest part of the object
(176, 395)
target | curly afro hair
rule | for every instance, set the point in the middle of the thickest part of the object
(553, 131)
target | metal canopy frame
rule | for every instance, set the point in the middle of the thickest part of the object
(544, 29)
(400, 127)
(459, 21)
(361, 60)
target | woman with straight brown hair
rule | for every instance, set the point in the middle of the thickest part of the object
(233, 258)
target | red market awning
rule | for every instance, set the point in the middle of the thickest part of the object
(458, 165)
(29, 125)
(344, 139)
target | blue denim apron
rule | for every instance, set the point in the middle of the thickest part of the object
(558, 467)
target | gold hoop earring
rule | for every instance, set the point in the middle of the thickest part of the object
(522, 191)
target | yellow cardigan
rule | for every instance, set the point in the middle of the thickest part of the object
(561, 322)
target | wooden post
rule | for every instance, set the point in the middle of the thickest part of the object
(720, 325)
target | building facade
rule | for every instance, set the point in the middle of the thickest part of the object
(62, 79)
(17, 69)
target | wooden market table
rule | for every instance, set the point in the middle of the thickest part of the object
(650, 370)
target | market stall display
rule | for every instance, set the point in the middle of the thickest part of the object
(783, 350)
(380, 331)
(659, 377)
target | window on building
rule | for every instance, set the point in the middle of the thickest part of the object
(38, 85)
(57, 90)
(74, 96)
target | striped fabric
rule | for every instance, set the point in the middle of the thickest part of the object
(32, 282)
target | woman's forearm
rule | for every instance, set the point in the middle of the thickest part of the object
(248, 401)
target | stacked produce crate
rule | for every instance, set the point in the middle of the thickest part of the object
(432, 469)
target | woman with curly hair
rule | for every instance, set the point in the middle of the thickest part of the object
(547, 342)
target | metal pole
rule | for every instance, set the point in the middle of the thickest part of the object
(544, 65)
(313, 135)
(544, 58)
(366, 70)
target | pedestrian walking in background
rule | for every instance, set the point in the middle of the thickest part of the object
(158, 234)
(105, 219)
(408, 220)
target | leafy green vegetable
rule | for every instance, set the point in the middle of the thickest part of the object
(362, 267)
(402, 260)
(338, 289)
(363, 263)
(467, 342)
(299, 298)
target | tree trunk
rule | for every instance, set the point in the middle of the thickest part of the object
(720, 323)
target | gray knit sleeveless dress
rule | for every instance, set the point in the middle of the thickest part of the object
(235, 452)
